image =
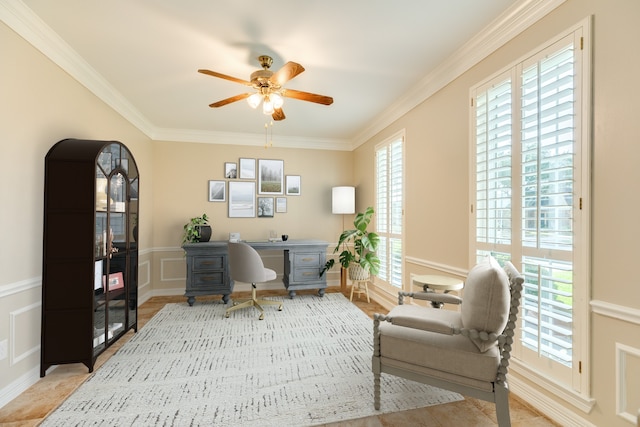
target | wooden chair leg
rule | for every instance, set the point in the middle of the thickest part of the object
(376, 389)
(502, 405)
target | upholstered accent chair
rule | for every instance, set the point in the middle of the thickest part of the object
(467, 350)
(245, 265)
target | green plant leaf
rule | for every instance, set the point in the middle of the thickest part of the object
(365, 244)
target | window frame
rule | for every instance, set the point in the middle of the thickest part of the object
(577, 390)
(385, 284)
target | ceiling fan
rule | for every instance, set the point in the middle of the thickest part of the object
(268, 88)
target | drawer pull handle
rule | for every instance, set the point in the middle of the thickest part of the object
(308, 259)
(307, 273)
(207, 263)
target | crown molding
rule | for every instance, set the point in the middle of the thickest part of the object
(30, 27)
(504, 28)
(252, 139)
(512, 22)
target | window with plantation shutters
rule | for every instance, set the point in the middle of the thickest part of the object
(547, 202)
(493, 164)
(528, 150)
(389, 209)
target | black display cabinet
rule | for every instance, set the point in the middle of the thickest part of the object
(90, 250)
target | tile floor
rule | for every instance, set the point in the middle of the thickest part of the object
(32, 406)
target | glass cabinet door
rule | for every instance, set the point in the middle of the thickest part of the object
(116, 247)
(116, 299)
(133, 244)
(103, 168)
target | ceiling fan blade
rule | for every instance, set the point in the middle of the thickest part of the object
(224, 76)
(286, 73)
(229, 100)
(278, 114)
(306, 96)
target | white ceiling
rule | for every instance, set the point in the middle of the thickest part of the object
(376, 58)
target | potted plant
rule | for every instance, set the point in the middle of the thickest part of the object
(197, 230)
(359, 248)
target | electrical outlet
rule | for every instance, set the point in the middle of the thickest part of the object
(3, 349)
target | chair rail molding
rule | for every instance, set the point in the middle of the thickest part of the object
(444, 268)
(619, 312)
(21, 286)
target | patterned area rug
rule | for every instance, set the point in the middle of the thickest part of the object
(306, 365)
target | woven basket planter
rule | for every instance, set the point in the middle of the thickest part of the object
(357, 273)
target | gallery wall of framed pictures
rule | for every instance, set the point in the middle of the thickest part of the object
(256, 188)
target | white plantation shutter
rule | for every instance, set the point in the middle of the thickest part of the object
(547, 152)
(528, 143)
(493, 164)
(382, 209)
(389, 209)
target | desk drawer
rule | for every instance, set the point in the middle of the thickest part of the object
(212, 280)
(205, 263)
(306, 260)
(306, 274)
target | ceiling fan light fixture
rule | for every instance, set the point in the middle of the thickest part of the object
(269, 90)
(277, 100)
(254, 100)
(267, 105)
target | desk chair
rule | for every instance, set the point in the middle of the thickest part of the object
(245, 265)
(465, 351)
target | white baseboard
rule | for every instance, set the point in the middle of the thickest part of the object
(547, 404)
(17, 387)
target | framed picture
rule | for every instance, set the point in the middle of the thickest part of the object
(242, 199)
(281, 204)
(265, 207)
(116, 281)
(247, 168)
(230, 170)
(217, 191)
(293, 185)
(270, 176)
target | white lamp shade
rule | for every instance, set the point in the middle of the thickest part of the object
(343, 200)
(277, 100)
(267, 106)
(254, 100)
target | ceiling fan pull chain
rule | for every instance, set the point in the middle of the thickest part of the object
(268, 142)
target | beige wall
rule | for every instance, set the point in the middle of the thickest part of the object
(41, 104)
(182, 172)
(437, 199)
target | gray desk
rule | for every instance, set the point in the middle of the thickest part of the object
(208, 267)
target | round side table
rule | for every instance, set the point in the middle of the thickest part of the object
(436, 282)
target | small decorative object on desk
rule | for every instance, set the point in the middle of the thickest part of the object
(273, 236)
(285, 237)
